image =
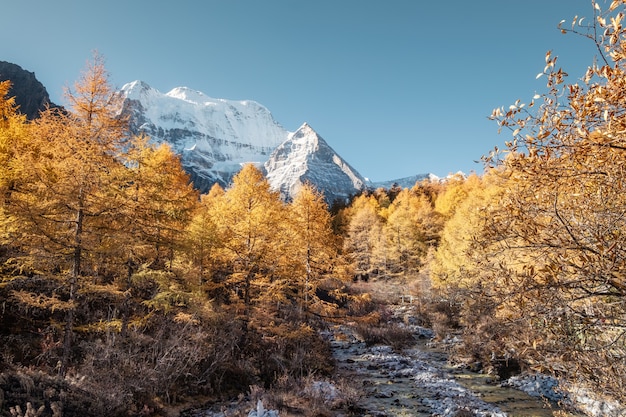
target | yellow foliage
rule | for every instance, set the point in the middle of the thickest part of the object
(364, 241)
(370, 319)
(455, 191)
(41, 301)
(412, 228)
(185, 318)
(102, 326)
(311, 247)
(553, 245)
(250, 227)
(159, 204)
(457, 261)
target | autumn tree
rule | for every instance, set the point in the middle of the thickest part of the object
(249, 231)
(560, 224)
(69, 191)
(13, 131)
(364, 241)
(13, 137)
(312, 247)
(465, 204)
(67, 198)
(201, 236)
(455, 190)
(412, 228)
(161, 200)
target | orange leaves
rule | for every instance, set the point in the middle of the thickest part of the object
(550, 62)
(615, 4)
(8, 107)
(563, 214)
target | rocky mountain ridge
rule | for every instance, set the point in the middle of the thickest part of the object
(306, 157)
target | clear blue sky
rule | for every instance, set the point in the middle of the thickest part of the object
(396, 87)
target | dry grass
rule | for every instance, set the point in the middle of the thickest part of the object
(393, 334)
(308, 396)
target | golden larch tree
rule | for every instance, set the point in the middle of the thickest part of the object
(67, 199)
(412, 228)
(161, 200)
(249, 231)
(364, 244)
(312, 245)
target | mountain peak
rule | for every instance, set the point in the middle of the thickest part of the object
(136, 85)
(190, 95)
(138, 90)
(306, 157)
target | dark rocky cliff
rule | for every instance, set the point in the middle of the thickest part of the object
(30, 95)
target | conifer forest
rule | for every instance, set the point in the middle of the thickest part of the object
(125, 292)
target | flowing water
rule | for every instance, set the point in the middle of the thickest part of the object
(419, 382)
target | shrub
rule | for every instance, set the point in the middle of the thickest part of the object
(308, 396)
(444, 315)
(395, 335)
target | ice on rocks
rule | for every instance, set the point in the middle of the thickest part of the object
(537, 385)
(261, 411)
(437, 388)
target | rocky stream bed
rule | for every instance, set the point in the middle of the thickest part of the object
(418, 381)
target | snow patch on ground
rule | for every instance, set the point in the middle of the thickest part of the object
(593, 405)
(537, 385)
(261, 411)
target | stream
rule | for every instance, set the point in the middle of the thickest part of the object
(417, 382)
(420, 382)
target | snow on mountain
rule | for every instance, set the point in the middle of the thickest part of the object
(406, 182)
(306, 157)
(214, 137)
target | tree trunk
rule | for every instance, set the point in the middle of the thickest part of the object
(69, 317)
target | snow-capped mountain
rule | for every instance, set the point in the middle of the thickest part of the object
(306, 157)
(215, 137)
(406, 182)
